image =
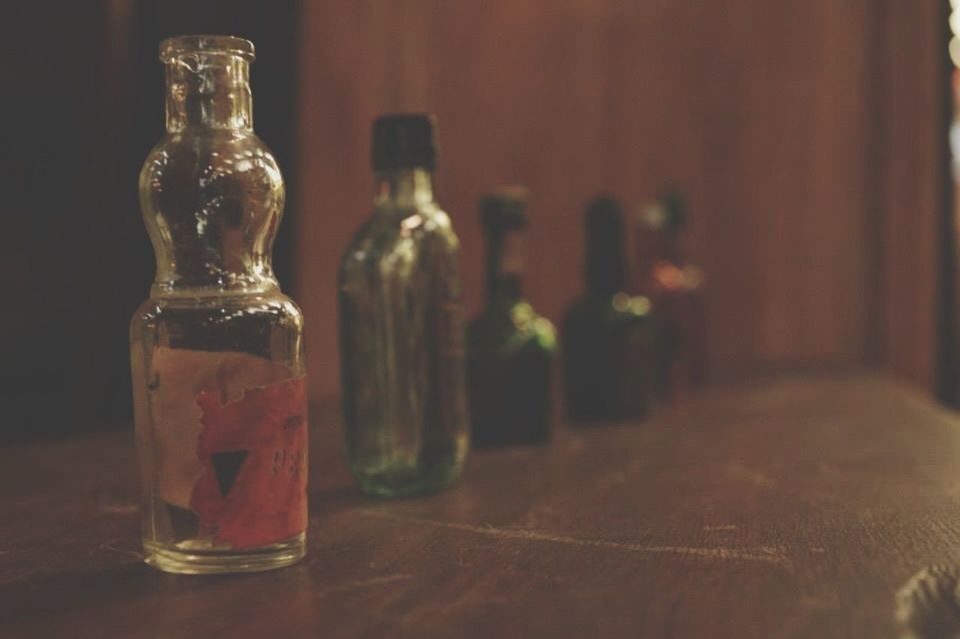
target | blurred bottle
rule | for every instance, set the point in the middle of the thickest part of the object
(510, 349)
(675, 287)
(401, 333)
(608, 335)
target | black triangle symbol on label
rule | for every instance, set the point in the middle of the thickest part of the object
(227, 467)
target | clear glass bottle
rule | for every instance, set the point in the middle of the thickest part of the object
(217, 358)
(510, 348)
(609, 337)
(401, 333)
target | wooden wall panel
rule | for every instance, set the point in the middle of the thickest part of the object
(915, 87)
(763, 112)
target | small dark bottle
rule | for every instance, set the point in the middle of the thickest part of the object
(510, 348)
(675, 286)
(608, 335)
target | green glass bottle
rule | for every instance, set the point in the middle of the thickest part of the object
(510, 348)
(608, 335)
(401, 332)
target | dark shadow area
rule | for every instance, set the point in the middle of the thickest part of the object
(83, 105)
(328, 502)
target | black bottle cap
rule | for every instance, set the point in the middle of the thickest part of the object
(504, 209)
(605, 258)
(404, 140)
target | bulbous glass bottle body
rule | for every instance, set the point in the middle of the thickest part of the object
(510, 354)
(609, 344)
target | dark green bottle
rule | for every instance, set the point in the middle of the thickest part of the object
(510, 349)
(401, 334)
(608, 335)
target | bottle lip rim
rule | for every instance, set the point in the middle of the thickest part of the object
(171, 48)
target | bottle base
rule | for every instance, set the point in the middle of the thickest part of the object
(405, 482)
(509, 440)
(375, 487)
(182, 561)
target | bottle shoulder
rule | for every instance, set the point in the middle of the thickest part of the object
(513, 327)
(227, 307)
(426, 221)
(401, 235)
(620, 308)
(210, 153)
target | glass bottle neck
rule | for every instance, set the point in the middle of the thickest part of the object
(505, 265)
(605, 271)
(403, 187)
(504, 288)
(208, 90)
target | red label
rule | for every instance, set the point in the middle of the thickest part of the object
(253, 490)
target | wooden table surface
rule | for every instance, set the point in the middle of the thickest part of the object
(791, 508)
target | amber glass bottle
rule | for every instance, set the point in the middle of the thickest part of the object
(510, 348)
(218, 373)
(676, 287)
(608, 335)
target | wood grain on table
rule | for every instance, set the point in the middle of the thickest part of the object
(791, 508)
